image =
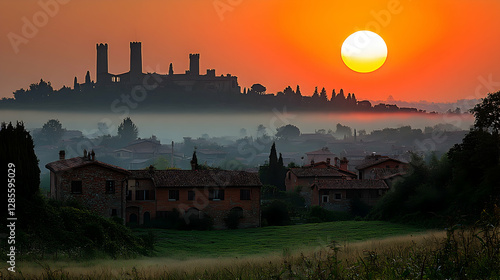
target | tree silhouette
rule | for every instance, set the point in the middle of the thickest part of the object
(258, 88)
(127, 131)
(297, 91)
(322, 95)
(315, 94)
(51, 132)
(273, 157)
(287, 131)
(17, 148)
(487, 113)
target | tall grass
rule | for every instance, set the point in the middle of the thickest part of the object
(457, 253)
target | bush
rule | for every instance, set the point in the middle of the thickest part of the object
(276, 214)
(76, 233)
(359, 208)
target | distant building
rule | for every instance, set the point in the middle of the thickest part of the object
(191, 80)
(336, 195)
(302, 178)
(379, 167)
(139, 196)
(320, 155)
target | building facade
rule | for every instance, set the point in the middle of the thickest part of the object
(337, 195)
(139, 196)
(380, 167)
(92, 183)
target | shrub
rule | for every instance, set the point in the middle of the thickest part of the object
(276, 214)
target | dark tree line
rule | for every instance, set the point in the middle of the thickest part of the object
(170, 95)
(457, 187)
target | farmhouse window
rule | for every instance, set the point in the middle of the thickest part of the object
(76, 187)
(191, 195)
(110, 186)
(173, 195)
(216, 195)
(144, 195)
(325, 198)
(244, 194)
(338, 196)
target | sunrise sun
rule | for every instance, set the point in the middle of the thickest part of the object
(364, 51)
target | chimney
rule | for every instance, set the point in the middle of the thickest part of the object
(328, 161)
(84, 153)
(62, 155)
(312, 161)
(336, 161)
(151, 169)
(343, 164)
(93, 155)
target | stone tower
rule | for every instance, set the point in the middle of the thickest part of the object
(135, 62)
(194, 64)
(102, 63)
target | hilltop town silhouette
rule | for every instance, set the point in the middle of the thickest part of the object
(189, 90)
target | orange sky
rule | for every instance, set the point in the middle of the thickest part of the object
(437, 50)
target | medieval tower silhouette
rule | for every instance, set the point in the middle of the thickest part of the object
(102, 63)
(194, 64)
(189, 81)
(135, 62)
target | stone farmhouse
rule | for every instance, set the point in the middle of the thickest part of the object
(139, 196)
(380, 167)
(333, 187)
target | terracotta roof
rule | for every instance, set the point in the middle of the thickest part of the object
(320, 172)
(351, 184)
(71, 163)
(370, 162)
(198, 178)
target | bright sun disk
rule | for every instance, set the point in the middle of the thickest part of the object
(364, 51)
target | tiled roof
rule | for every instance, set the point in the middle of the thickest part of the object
(351, 184)
(198, 178)
(71, 163)
(320, 172)
(370, 162)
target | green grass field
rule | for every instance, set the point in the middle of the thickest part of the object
(246, 242)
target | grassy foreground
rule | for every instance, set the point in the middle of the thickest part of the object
(257, 241)
(198, 250)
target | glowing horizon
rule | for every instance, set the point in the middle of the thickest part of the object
(439, 51)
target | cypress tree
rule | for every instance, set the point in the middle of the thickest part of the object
(273, 157)
(17, 150)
